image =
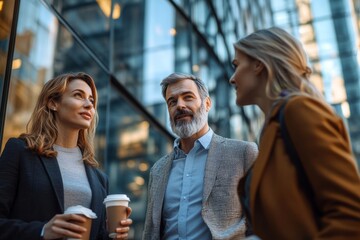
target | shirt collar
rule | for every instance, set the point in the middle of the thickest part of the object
(204, 140)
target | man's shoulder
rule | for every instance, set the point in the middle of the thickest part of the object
(234, 142)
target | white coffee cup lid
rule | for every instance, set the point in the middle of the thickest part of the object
(78, 209)
(116, 197)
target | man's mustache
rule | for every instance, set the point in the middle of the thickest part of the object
(182, 112)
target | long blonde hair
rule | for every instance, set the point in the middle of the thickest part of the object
(284, 59)
(41, 130)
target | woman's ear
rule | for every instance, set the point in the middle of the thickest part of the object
(52, 105)
(258, 66)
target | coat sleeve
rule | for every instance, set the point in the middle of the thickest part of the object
(323, 146)
(9, 171)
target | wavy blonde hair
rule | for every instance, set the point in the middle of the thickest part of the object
(284, 59)
(41, 130)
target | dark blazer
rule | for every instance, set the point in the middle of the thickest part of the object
(279, 207)
(31, 193)
(227, 162)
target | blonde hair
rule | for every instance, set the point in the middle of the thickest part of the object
(41, 130)
(284, 59)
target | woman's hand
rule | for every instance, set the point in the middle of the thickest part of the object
(122, 232)
(61, 226)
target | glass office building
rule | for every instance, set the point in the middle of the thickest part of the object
(129, 46)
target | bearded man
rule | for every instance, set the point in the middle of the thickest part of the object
(192, 191)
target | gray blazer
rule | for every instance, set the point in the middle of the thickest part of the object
(228, 161)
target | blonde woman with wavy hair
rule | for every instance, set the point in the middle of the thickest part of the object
(312, 192)
(53, 167)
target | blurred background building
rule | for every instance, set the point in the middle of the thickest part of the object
(129, 46)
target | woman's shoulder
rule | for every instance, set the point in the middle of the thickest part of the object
(15, 148)
(307, 103)
(310, 111)
(16, 143)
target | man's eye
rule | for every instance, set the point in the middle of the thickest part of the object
(233, 66)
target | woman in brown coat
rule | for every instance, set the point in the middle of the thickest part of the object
(323, 200)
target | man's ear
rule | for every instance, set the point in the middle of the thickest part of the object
(258, 66)
(208, 104)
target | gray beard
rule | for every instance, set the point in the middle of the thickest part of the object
(185, 129)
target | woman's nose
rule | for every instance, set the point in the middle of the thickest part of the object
(88, 103)
(232, 80)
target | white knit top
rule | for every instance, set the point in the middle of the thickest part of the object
(77, 190)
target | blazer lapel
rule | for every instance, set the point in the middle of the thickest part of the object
(97, 198)
(98, 193)
(266, 145)
(159, 193)
(212, 163)
(53, 171)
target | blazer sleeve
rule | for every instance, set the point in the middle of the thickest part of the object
(323, 146)
(9, 170)
(250, 155)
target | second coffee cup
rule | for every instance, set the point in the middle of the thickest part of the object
(116, 210)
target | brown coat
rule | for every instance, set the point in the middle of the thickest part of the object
(279, 209)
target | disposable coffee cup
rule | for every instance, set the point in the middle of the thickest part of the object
(88, 214)
(116, 210)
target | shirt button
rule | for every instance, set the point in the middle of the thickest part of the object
(187, 175)
(184, 198)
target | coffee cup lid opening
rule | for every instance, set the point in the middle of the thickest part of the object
(78, 209)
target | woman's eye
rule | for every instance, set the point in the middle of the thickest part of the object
(234, 66)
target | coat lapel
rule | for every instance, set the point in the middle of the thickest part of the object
(212, 164)
(53, 171)
(162, 177)
(266, 145)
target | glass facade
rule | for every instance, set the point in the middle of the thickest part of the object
(8, 20)
(129, 46)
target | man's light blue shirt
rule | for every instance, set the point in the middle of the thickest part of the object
(182, 217)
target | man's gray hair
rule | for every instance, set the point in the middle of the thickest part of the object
(176, 77)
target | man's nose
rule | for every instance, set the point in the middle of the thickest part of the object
(180, 104)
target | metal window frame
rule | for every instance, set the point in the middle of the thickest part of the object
(8, 68)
